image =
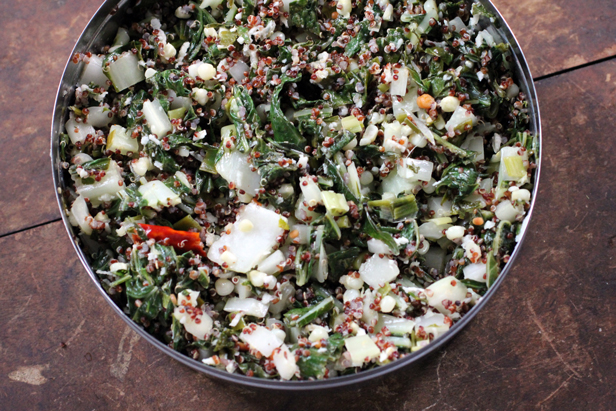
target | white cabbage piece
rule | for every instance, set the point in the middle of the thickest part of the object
(433, 323)
(249, 248)
(125, 71)
(194, 320)
(93, 73)
(78, 132)
(447, 289)
(247, 306)
(235, 168)
(158, 121)
(284, 361)
(261, 339)
(415, 170)
(80, 215)
(377, 271)
(99, 116)
(158, 195)
(476, 272)
(119, 139)
(361, 347)
(105, 190)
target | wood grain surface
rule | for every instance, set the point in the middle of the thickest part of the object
(37, 38)
(545, 341)
(561, 34)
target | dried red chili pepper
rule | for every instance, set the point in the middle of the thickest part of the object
(180, 240)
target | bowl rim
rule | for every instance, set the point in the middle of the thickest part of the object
(103, 16)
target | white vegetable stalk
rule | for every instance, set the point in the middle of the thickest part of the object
(407, 105)
(377, 271)
(235, 168)
(398, 87)
(260, 339)
(158, 195)
(395, 325)
(344, 8)
(522, 195)
(415, 170)
(302, 212)
(322, 270)
(449, 290)
(353, 183)
(335, 203)
(119, 140)
(388, 14)
(361, 348)
(460, 119)
(440, 208)
(248, 248)
(512, 167)
(238, 70)
(125, 71)
(106, 189)
(157, 119)
(187, 314)
(475, 144)
(99, 116)
(505, 211)
(432, 323)
(422, 128)
(286, 291)
(433, 231)
(121, 39)
(284, 361)
(273, 264)
(243, 291)
(431, 13)
(80, 215)
(311, 191)
(78, 132)
(475, 272)
(457, 24)
(352, 124)
(93, 73)
(303, 233)
(370, 315)
(395, 184)
(213, 4)
(378, 247)
(246, 306)
(482, 36)
(141, 166)
(486, 184)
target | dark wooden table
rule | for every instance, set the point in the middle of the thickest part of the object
(546, 340)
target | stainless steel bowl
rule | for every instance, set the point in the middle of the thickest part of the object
(100, 31)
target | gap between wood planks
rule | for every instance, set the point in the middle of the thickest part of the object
(535, 79)
(574, 68)
(21, 230)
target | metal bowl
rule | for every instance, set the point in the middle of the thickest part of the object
(100, 31)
